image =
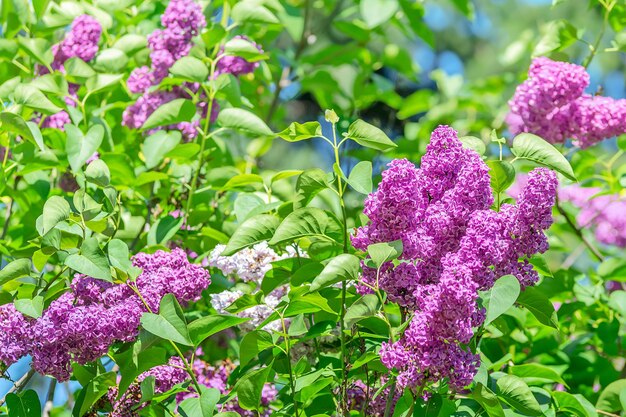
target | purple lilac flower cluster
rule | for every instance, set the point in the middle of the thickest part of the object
(80, 325)
(359, 392)
(236, 65)
(551, 103)
(182, 20)
(165, 378)
(454, 246)
(82, 42)
(603, 212)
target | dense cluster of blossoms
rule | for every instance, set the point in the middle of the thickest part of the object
(182, 20)
(250, 265)
(81, 42)
(129, 403)
(80, 325)
(217, 377)
(360, 394)
(605, 213)
(165, 378)
(454, 246)
(236, 65)
(551, 103)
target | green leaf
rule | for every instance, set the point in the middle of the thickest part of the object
(14, 270)
(245, 49)
(55, 210)
(31, 97)
(362, 308)
(80, 147)
(384, 252)
(533, 148)
(575, 405)
(252, 344)
(558, 35)
(207, 326)
(250, 387)
(78, 70)
(131, 43)
(11, 122)
(369, 136)
(190, 69)
(164, 229)
(308, 185)
(297, 132)
(170, 323)
(242, 180)
(243, 120)
(252, 12)
(343, 267)
(98, 173)
(111, 60)
(40, 7)
(487, 400)
(473, 143)
(500, 297)
(119, 255)
(304, 222)
(377, 12)
(360, 177)
(90, 261)
(609, 399)
(37, 48)
(537, 371)
(102, 82)
(96, 388)
(200, 406)
(502, 175)
(25, 404)
(540, 306)
(157, 145)
(254, 230)
(172, 112)
(30, 307)
(518, 395)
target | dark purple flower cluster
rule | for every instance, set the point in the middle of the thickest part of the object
(217, 377)
(82, 42)
(454, 246)
(359, 394)
(165, 378)
(236, 65)
(551, 103)
(603, 212)
(182, 20)
(80, 325)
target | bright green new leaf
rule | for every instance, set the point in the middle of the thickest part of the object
(500, 297)
(252, 231)
(170, 323)
(172, 112)
(534, 148)
(243, 120)
(90, 261)
(344, 267)
(369, 136)
(360, 177)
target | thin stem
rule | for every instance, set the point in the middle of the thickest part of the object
(596, 45)
(292, 380)
(392, 393)
(19, 384)
(7, 218)
(340, 191)
(49, 398)
(49, 284)
(578, 232)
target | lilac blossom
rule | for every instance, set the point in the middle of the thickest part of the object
(454, 246)
(551, 103)
(81, 324)
(236, 65)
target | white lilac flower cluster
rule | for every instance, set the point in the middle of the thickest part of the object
(250, 265)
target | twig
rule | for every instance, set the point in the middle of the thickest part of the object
(19, 384)
(578, 232)
(606, 413)
(49, 398)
